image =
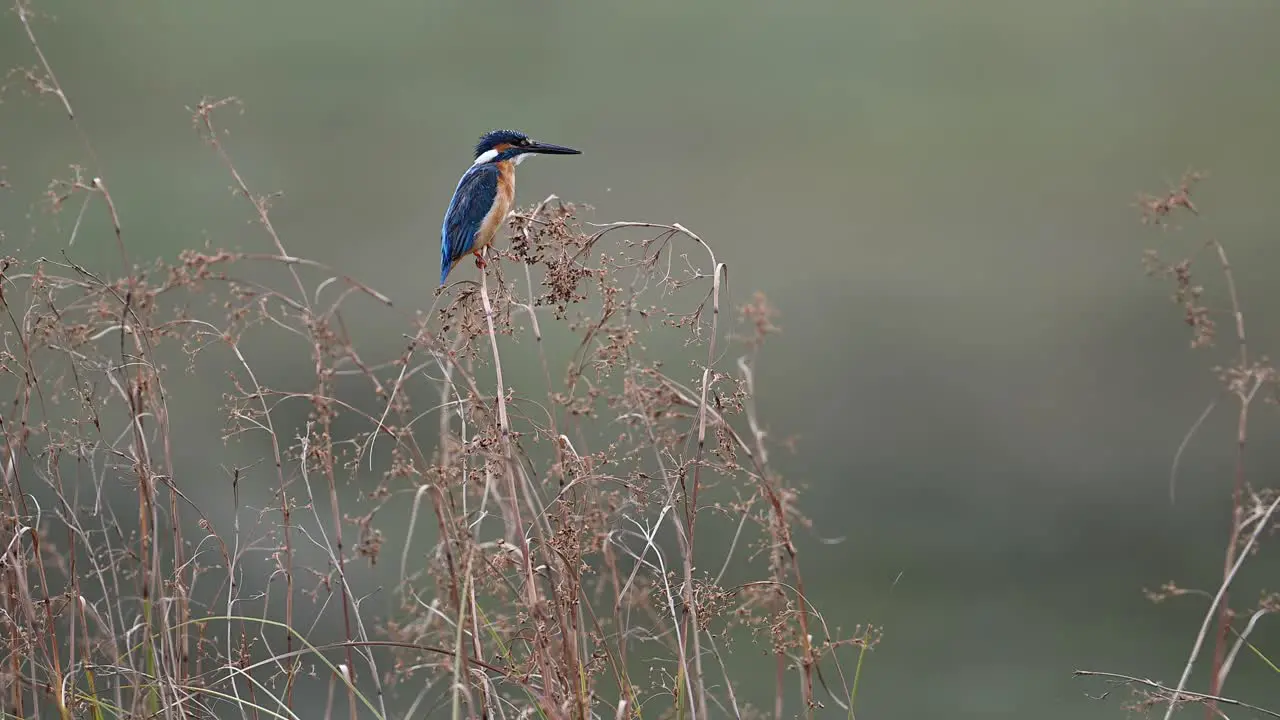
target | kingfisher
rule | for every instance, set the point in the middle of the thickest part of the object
(485, 194)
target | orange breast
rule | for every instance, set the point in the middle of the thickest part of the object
(501, 205)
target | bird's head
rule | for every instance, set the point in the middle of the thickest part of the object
(502, 145)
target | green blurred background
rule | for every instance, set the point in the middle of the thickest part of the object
(939, 197)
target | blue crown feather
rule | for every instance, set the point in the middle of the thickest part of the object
(494, 138)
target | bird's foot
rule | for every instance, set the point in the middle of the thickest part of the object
(480, 263)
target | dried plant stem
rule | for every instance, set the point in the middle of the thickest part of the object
(1245, 387)
(23, 9)
(504, 430)
(1175, 695)
(1244, 396)
(691, 499)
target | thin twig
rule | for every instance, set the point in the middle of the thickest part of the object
(1173, 696)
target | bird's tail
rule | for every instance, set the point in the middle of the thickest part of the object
(446, 266)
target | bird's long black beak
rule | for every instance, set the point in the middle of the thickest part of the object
(549, 149)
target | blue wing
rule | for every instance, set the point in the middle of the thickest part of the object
(471, 201)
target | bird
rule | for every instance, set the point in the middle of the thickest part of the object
(485, 194)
